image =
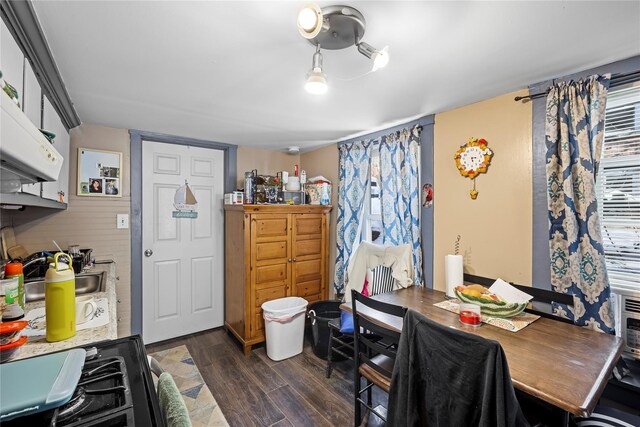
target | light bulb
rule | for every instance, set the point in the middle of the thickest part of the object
(380, 58)
(316, 82)
(307, 18)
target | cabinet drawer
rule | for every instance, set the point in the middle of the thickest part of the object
(271, 250)
(264, 295)
(308, 270)
(306, 289)
(308, 225)
(308, 248)
(271, 226)
(268, 276)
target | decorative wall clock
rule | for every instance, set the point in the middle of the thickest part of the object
(472, 159)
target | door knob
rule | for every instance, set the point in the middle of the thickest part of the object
(148, 253)
(289, 259)
(294, 260)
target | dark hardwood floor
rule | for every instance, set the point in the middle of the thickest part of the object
(256, 391)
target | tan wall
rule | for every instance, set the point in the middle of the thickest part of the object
(324, 161)
(496, 227)
(88, 221)
(267, 162)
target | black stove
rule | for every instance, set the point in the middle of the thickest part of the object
(115, 389)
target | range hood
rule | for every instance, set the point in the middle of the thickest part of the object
(26, 156)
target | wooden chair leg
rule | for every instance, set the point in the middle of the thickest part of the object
(356, 393)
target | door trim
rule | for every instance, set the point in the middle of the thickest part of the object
(137, 137)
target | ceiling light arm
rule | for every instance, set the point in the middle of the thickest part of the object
(366, 49)
(317, 59)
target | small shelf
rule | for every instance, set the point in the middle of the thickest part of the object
(26, 199)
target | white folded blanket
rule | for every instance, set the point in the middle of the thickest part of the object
(398, 258)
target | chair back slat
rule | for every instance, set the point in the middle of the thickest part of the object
(365, 326)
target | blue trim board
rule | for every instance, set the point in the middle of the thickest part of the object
(137, 137)
(426, 177)
(541, 274)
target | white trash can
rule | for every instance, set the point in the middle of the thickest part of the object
(284, 326)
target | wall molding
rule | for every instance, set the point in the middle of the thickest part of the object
(22, 22)
(137, 137)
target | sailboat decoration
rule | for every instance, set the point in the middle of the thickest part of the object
(185, 202)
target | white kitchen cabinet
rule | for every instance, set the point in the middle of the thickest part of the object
(51, 122)
(32, 98)
(32, 107)
(11, 60)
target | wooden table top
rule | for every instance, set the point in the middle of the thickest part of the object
(563, 364)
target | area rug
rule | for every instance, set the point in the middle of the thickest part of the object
(203, 408)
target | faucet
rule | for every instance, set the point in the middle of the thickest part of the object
(33, 261)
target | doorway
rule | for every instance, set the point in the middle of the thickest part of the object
(178, 287)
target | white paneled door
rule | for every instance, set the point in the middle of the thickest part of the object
(183, 259)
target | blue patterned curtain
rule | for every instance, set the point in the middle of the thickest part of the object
(574, 135)
(399, 154)
(354, 172)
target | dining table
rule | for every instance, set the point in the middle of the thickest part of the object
(557, 362)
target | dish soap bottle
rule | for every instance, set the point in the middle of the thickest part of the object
(14, 269)
(60, 299)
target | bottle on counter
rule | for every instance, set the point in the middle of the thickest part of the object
(14, 269)
(248, 187)
(12, 311)
(60, 299)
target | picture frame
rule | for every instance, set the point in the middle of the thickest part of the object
(99, 173)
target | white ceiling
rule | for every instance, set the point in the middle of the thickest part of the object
(234, 71)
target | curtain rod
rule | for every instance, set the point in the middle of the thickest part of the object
(616, 80)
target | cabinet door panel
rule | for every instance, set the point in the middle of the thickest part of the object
(313, 298)
(51, 122)
(308, 248)
(270, 226)
(305, 289)
(264, 295)
(257, 324)
(272, 250)
(307, 226)
(272, 275)
(307, 270)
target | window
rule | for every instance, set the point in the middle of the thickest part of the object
(618, 187)
(373, 214)
(372, 229)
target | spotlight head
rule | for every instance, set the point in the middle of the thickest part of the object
(309, 20)
(380, 58)
(316, 82)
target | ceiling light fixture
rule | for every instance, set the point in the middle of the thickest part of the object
(316, 80)
(334, 28)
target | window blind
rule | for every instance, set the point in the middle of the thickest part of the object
(618, 187)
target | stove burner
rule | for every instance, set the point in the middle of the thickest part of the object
(74, 406)
(103, 390)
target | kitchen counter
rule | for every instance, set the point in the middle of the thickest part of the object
(39, 345)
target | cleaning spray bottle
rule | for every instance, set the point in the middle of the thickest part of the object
(60, 299)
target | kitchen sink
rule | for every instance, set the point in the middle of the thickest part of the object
(86, 283)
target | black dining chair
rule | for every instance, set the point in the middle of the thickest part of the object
(374, 358)
(448, 377)
(341, 343)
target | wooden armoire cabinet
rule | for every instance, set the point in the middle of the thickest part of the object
(272, 251)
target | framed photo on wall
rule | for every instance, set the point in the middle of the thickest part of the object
(99, 173)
